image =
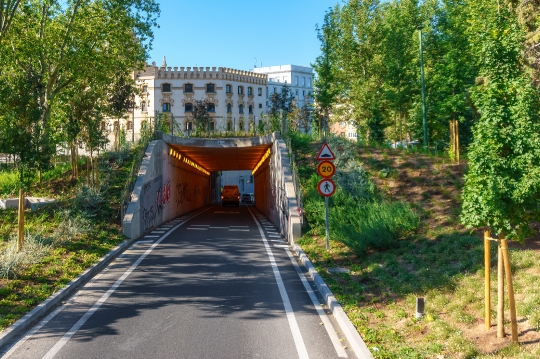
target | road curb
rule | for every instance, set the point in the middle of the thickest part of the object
(23, 324)
(355, 340)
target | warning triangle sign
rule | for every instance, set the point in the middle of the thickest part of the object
(325, 153)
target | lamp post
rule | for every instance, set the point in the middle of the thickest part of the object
(420, 27)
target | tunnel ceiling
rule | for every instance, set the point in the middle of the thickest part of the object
(224, 158)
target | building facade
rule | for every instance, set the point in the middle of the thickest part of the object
(298, 78)
(235, 98)
(344, 129)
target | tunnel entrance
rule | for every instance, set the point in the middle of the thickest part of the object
(179, 175)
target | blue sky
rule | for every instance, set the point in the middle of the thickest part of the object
(232, 33)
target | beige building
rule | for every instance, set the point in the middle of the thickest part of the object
(236, 98)
(344, 129)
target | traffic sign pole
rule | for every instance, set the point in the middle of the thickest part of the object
(326, 186)
(327, 240)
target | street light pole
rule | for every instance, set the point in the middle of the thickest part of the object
(423, 89)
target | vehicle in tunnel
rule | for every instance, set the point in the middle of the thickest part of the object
(230, 195)
(247, 197)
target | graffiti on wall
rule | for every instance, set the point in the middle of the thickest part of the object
(186, 193)
(154, 197)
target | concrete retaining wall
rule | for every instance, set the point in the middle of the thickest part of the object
(275, 194)
(165, 189)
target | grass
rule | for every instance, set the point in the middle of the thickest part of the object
(438, 260)
(63, 239)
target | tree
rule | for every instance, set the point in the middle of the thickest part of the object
(502, 187)
(201, 117)
(8, 9)
(52, 45)
(282, 104)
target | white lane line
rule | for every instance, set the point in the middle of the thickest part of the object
(293, 324)
(239, 226)
(151, 236)
(198, 229)
(155, 232)
(324, 318)
(200, 225)
(275, 236)
(238, 230)
(63, 341)
(218, 227)
(281, 245)
(277, 240)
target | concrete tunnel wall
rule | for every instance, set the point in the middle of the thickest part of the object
(165, 189)
(275, 194)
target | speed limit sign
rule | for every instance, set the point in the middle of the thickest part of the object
(326, 169)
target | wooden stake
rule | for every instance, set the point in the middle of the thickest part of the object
(500, 294)
(487, 278)
(20, 239)
(456, 134)
(511, 302)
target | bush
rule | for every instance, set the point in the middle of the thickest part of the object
(35, 247)
(89, 200)
(364, 225)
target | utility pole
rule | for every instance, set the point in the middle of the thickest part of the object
(420, 27)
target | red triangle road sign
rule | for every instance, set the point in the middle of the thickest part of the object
(325, 153)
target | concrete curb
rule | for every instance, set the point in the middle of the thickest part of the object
(23, 324)
(355, 340)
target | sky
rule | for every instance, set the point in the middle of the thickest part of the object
(238, 33)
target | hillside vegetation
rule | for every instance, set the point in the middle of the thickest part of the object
(396, 237)
(61, 240)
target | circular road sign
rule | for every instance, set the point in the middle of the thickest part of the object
(326, 187)
(326, 169)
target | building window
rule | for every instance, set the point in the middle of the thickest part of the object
(342, 134)
(309, 82)
(188, 88)
(228, 88)
(143, 107)
(250, 91)
(211, 107)
(229, 108)
(303, 94)
(275, 89)
(103, 125)
(188, 107)
(241, 109)
(240, 90)
(296, 81)
(296, 93)
(229, 125)
(145, 89)
(165, 87)
(250, 109)
(303, 81)
(166, 107)
(189, 125)
(210, 88)
(241, 125)
(211, 126)
(260, 105)
(259, 91)
(267, 92)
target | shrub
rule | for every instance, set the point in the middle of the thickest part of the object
(35, 247)
(89, 200)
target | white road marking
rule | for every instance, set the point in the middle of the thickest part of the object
(239, 226)
(218, 227)
(200, 225)
(277, 240)
(275, 236)
(158, 231)
(149, 241)
(63, 341)
(149, 236)
(199, 229)
(238, 230)
(293, 324)
(281, 246)
(324, 319)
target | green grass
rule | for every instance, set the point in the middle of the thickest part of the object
(62, 239)
(392, 263)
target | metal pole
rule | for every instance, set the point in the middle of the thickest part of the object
(423, 90)
(327, 242)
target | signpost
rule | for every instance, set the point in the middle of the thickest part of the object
(326, 186)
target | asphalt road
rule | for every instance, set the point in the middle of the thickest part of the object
(219, 283)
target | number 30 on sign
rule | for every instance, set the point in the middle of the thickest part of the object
(326, 169)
